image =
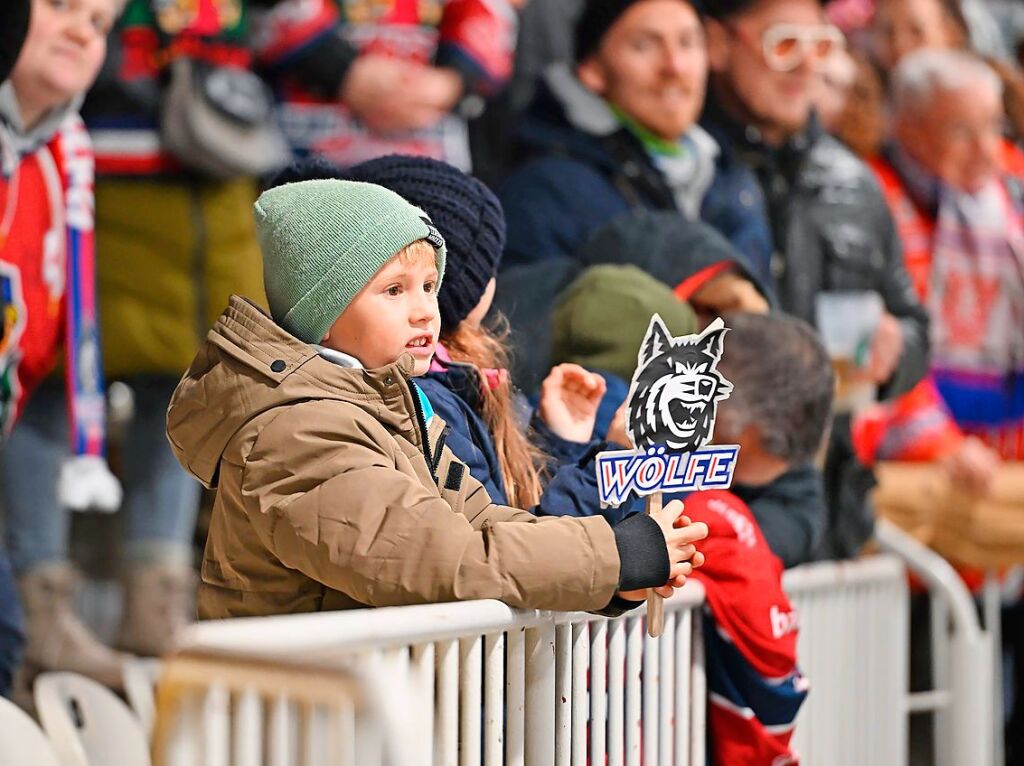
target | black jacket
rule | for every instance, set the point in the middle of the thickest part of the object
(791, 513)
(832, 230)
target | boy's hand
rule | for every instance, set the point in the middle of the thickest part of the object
(680, 536)
(569, 398)
(439, 88)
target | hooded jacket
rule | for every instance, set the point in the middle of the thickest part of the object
(584, 168)
(332, 493)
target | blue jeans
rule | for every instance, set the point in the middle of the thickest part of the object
(161, 500)
(12, 636)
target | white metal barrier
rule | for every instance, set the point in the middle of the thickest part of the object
(479, 682)
(462, 683)
(853, 647)
(966, 728)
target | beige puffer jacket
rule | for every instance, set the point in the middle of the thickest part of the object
(332, 494)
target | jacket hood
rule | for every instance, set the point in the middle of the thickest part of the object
(581, 108)
(248, 365)
(15, 140)
(668, 247)
(567, 118)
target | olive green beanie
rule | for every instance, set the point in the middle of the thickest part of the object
(323, 241)
(600, 320)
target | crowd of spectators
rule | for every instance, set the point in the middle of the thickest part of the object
(744, 159)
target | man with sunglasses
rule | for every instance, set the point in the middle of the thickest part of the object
(617, 131)
(831, 227)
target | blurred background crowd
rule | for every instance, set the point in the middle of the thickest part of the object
(854, 167)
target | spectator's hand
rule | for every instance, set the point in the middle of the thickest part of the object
(617, 428)
(726, 292)
(680, 536)
(385, 94)
(973, 466)
(569, 398)
(439, 87)
(886, 349)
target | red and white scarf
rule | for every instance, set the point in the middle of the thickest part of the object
(976, 299)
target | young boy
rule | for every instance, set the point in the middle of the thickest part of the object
(334, 487)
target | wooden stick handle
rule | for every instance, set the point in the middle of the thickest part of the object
(655, 603)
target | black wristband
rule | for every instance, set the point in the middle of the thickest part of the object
(643, 555)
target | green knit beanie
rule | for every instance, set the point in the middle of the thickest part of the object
(600, 319)
(323, 241)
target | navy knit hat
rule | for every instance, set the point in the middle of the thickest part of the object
(593, 24)
(464, 210)
(13, 28)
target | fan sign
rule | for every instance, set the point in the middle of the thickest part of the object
(670, 417)
(655, 469)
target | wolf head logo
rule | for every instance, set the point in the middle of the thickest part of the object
(676, 388)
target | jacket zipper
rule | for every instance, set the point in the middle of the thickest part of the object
(422, 423)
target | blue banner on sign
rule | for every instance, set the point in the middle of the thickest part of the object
(658, 469)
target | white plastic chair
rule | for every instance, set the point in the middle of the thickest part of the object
(140, 677)
(22, 743)
(88, 725)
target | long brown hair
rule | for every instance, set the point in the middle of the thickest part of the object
(520, 460)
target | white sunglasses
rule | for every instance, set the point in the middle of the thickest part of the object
(787, 46)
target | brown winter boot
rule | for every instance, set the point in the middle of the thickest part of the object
(56, 638)
(159, 601)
